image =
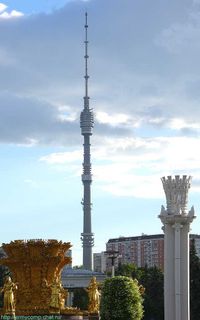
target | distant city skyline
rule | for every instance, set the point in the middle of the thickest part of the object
(144, 80)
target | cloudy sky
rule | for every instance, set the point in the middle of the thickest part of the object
(145, 91)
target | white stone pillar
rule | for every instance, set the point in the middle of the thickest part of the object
(176, 220)
(177, 269)
(169, 272)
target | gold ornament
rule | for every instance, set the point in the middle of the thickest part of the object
(36, 265)
(94, 296)
(9, 296)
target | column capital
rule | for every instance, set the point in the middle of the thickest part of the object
(176, 192)
(177, 226)
(176, 219)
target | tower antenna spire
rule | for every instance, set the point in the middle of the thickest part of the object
(86, 61)
(86, 124)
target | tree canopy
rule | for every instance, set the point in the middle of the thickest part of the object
(152, 279)
(121, 299)
(194, 283)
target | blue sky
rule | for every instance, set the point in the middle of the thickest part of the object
(144, 88)
(30, 7)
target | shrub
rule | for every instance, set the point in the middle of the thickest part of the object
(121, 299)
(80, 299)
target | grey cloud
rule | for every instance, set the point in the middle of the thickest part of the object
(192, 89)
(28, 119)
(190, 132)
(23, 120)
(41, 59)
(108, 130)
(153, 111)
(182, 37)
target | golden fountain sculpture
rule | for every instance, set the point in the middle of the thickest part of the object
(36, 271)
(94, 296)
(9, 298)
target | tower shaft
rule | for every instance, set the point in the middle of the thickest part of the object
(176, 220)
(86, 124)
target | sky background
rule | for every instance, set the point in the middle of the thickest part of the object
(145, 91)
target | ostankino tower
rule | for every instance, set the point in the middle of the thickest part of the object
(86, 124)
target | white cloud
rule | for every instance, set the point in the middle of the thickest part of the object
(11, 14)
(66, 114)
(129, 89)
(157, 120)
(5, 14)
(117, 119)
(2, 6)
(137, 186)
(127, 97)
(130, 167)
(28, 143)
(62, 157)
(178, 124)
(135, 174)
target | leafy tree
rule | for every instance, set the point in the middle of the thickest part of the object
(152, 280)
(194, 283)
(121, 299)
(128, 270)
(80, 299)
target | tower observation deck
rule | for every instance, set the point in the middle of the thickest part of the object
(87, 124)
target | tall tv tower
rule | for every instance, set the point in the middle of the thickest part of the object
(86, 124)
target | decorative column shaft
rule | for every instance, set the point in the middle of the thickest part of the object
(176, 220)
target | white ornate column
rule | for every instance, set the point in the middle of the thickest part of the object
(177, 269)
(176, 220)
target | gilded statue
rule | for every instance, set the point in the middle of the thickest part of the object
(9, 297)
(64, 295)
(94, 296)
(58, 295)
(55, 294)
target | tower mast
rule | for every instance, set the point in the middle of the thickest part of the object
(87, 124)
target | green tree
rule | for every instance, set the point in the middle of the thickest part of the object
(194, 283)
(80, 299)
(121, 299)
(152, 279)
(128, 270)
(78, 267)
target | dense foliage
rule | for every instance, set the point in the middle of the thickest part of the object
(194, 283)
(152, 279)
(80, 299)
(121, 299)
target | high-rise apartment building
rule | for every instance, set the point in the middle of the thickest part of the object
(144, 250)
(100, 262)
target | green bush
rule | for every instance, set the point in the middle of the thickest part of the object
(121, 299)
(80, 299)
